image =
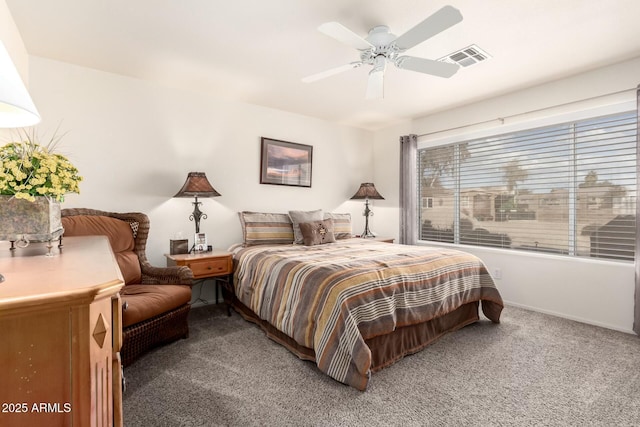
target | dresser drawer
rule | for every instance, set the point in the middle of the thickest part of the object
(210, 267)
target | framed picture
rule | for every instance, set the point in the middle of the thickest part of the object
(285, 163)
(200, 242)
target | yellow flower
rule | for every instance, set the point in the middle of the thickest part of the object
(25, 196)
(28, 169)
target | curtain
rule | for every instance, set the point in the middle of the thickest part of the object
(408, 189)
(636, 308)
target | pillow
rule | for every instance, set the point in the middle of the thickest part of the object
(317, 232)
(259, 228)
(341, 225)
(135, 226)
(303, 216)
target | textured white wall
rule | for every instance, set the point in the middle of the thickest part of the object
(386, 163)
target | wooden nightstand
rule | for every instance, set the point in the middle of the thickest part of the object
(217, 265)
(378, 239)
(204, 265)
(384, 239)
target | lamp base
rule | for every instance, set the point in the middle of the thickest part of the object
(197, 214)
(367, 234)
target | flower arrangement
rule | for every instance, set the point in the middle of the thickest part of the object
(28, 170)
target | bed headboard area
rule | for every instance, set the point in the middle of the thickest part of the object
(266, 228)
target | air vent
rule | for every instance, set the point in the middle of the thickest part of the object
(465, 57)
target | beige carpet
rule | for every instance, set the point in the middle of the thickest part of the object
(532, 369)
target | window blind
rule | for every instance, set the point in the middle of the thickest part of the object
(566, 189)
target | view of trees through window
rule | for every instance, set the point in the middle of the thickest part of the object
(566, 189)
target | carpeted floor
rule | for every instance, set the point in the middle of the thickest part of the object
(532, 369)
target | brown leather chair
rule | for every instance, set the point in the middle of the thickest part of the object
(155, 300)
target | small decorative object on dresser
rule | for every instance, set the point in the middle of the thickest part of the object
(33, 181)
(22, 221)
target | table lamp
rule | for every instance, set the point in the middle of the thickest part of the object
(16, 107)
(367, 191)
(197, 185)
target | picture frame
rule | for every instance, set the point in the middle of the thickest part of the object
(285, 163)
(200, 242)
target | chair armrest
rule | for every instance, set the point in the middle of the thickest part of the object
(176, 275)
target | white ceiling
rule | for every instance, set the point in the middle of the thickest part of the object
(257, 51)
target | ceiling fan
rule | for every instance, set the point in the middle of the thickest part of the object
(380, 46)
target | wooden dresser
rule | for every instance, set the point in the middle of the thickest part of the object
(60, 335)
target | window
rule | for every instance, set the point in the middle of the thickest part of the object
(564, 189)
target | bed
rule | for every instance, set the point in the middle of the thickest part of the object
(354, 306)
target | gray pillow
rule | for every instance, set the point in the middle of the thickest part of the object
(303, 216)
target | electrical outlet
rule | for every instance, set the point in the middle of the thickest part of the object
(497, 273)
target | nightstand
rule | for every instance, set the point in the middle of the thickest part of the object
(216, 265)
(378, 239)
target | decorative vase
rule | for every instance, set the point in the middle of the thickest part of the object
(25, 221)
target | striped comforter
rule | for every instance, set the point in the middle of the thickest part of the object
(332, 297)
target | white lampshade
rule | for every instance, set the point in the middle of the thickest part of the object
(16, 107)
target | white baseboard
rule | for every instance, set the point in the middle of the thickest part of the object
(574, 318)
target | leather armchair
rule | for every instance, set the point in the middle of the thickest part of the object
(155, 300)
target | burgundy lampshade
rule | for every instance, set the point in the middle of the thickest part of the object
(367, 191)
(197, 185)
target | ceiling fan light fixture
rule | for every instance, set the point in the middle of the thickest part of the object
(379, 63)
(380, 36)
(381, 46)
(375, 85)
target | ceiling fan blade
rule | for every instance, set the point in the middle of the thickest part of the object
(344, 35)
(444, 18)
(331, 72)
(427, 66)
(375, 85)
